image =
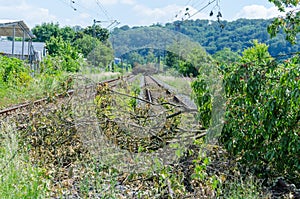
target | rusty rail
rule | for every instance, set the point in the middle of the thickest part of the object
(14, 108)
(148, 95)
(176, 98)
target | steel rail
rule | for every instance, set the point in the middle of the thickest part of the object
(14, 108)
(148, 95)
(177, 99)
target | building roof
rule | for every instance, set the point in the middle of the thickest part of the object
(7, 26)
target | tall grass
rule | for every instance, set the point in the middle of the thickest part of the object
(18, 178)
(101, 76)
(36, 89)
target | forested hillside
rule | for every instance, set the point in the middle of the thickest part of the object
(236, 35)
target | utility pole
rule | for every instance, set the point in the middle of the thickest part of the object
(94, 36)
(113, 24)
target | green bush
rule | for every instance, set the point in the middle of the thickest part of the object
(17, 85)
(262, 112)
(68, 56)
(203, 99)
(14, 72)
(51, 66)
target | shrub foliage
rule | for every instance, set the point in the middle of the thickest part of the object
(262, 112)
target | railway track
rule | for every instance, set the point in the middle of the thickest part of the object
(156, 121)
(12, 109)
(113, 131)
(153, 90)
(161, 118)
(178, 99)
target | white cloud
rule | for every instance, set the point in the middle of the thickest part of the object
(166, 14)
(151, 15)
(258, 12)
(30, 14)
(38, 15)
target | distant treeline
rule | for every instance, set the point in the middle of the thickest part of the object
(236, 35)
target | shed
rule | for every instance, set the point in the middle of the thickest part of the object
(13, 28)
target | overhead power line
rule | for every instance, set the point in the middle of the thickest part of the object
(77, 7)
(198, 5)
(208, 4)
(104, 10)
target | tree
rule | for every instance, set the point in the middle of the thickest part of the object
(124, 28)
(96, 31)
(261, 122)
(69, 56)
(187, 69)
(67, 33)
(187, 58)
(226, 56)
(262, 117)
(45, 31)
(134, 58)
(101, 55)
(236, 35)
(290, 23)
(86, 44)
(150, 58)
(172, 59)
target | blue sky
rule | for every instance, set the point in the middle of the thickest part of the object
(128, 12)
